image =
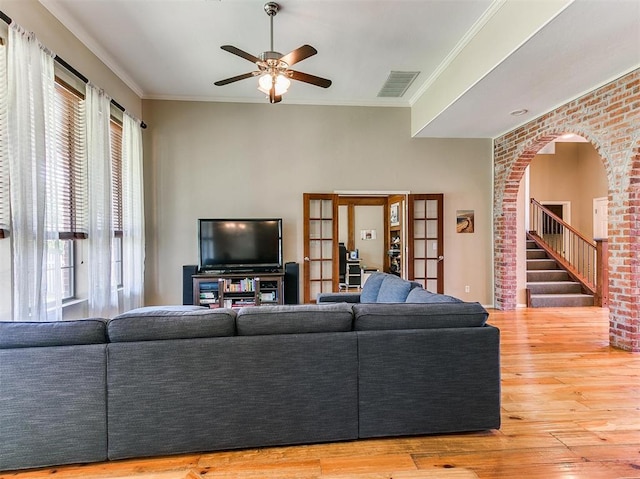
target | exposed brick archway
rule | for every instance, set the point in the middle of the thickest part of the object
(609, 117)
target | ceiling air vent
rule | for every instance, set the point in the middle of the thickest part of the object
(397, 84)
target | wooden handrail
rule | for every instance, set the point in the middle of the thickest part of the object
(552, 215)
(566, 245)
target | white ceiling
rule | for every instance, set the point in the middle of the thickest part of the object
(170, 49)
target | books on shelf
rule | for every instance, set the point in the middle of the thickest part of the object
(238, 303)
(240, 286)
(211, 286)
(243, 302)
(236, 291)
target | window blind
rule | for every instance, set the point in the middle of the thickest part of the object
(71, 171)
(116, 172)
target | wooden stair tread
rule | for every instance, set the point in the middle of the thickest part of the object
(563, 295)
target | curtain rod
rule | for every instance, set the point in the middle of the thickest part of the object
(75, 72)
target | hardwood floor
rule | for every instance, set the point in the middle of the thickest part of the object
(570, 409)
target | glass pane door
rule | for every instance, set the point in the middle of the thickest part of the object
(321, 245)
(426, 251)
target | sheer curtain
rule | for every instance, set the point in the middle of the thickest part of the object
(133, 252)
(36, 248)
(103, 299)
(4, 156)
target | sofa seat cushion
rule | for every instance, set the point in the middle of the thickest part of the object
(393, 289)
(171, 322)
(18, 334)
(294, 319)
(419, 295)
(372, 317)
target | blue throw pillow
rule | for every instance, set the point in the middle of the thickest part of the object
(371, 287)
(393, 290)
(418, 295)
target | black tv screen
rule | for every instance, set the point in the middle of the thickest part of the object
(240, 244)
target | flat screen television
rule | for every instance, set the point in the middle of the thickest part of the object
(240, 244)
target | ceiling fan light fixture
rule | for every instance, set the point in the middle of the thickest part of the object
(273, 67)
(266, 81)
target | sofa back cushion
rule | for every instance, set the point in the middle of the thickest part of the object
(371, 287)
(393, 289)
(17, 334)
(171, 322)
(294, 319)
(419, 295)
(372, 317)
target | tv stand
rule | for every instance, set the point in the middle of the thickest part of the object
(237, 289)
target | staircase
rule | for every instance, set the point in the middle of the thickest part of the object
(549, 284)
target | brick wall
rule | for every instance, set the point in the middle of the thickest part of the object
(610, 118)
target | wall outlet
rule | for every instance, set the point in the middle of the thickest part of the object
(467, 289)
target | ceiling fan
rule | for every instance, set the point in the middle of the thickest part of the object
(273, 67)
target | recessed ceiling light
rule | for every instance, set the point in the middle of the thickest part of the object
(519, 112)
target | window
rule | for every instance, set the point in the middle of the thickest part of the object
(116, 189)
(71, 181)
(66, 267)
(71, 177)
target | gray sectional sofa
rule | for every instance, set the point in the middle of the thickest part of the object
(167, 380)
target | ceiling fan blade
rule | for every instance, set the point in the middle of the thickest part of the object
(234, 79)
(313, 80)
(299, 54)
(240, 53)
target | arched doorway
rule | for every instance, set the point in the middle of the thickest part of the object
(607, 119)
(558, 263)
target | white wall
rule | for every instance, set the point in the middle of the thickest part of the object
(226, 160)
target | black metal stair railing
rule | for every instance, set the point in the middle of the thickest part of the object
(568, 246)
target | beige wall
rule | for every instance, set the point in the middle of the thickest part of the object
(32, 16)
(576, 174)
(371, 251)
(226, 160)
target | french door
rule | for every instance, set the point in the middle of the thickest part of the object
(321, 265)
(426, 244)
(424, 248)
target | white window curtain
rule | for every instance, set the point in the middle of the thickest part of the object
(103, 298)
(4, 155)
(133, 252)
(36, 248)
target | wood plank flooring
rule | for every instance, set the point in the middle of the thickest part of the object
(570, 409)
